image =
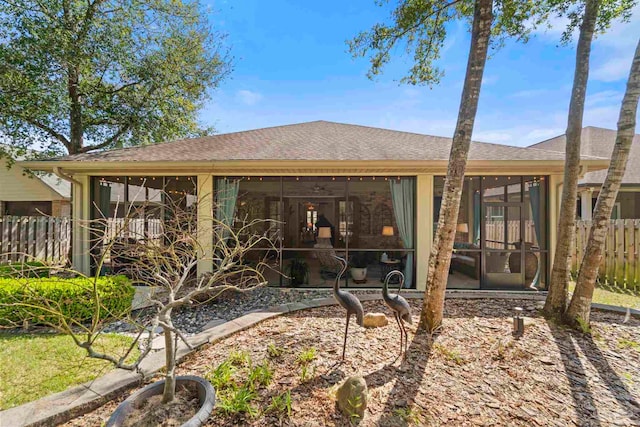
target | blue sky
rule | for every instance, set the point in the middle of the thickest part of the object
(291, 65)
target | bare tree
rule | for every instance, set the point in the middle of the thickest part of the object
(166, 264)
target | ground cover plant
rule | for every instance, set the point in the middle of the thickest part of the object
(49, 363)
(473, 371)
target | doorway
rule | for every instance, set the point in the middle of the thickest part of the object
(503, 251)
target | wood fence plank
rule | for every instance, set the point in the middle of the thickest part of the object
(32, 237)
(41, 238)
(49, 240)
(636, 246)
(5, 247)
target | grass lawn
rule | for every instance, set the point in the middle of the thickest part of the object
(612, 295)
(35, 365)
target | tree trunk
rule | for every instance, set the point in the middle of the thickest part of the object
(440, 258)
(580, 306)
(169, 392)
(557, 297)
(75, 113)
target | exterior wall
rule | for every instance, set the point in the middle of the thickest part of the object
(206, 187)
(424, 227)
(555, 195)
(60, 208)
(20, 188)
(81, 194)
(628, 202)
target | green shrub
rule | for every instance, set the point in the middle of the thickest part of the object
(35, 299)
(29, 269)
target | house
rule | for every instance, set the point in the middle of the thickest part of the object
(341, 189)
(599, 142)
(22, 194)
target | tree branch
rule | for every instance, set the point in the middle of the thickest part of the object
(57, 135)
(124, 129)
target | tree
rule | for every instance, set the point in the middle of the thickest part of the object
(79, 75)
(422, 24)
(594, 16)
(580, 305)
(165, 264)
(556, 298)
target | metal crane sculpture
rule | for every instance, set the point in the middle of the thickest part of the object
(348, 301)
(400, 307)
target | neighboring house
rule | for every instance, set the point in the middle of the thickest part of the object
(25, 195)
(599, 142)
(340, 189)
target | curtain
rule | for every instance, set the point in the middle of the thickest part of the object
(534, 200)
(402, 196)
(476, 218)
(104, 198)
(226, 196)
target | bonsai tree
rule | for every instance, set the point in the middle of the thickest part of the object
(166, 264)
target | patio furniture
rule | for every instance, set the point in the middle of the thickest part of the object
(388, 266)
(329, 265)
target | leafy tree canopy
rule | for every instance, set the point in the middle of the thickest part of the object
(81, 75)
(420, 28)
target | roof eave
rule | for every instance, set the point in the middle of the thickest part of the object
(321, 167)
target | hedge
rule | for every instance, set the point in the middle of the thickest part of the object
(73, 298)
(26, 269)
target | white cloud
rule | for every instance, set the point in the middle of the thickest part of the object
(529, 93)
(489, 80)
(498, 137)
(248, 97)
(603, 97)
(614, 69)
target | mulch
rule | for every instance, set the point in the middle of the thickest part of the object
(472, 373)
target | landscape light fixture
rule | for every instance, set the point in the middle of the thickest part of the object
(518, 323)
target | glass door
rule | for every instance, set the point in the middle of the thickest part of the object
(501, 244)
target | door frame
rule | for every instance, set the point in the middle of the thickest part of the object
(483, 242)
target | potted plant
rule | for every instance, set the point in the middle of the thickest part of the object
(298, 271)
(168, 266)
(358, 263)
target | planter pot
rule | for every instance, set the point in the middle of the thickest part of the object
(206, 396)
(358, 273)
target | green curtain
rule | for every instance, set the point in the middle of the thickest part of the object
(226, 197)
(476, 218)
(104, 200)
(534, 200)
(403, 195)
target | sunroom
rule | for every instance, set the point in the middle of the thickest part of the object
(327, 189)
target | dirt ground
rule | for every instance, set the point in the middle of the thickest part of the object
(472, 373)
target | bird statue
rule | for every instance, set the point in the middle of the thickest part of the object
(348, 301)
(400, 307)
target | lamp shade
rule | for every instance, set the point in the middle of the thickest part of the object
(387, 230)
(463, 227)
(324, 232)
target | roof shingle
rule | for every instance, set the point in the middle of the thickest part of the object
(319, 140)
(599, 142)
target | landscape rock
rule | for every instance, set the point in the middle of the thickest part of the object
(375, 320)
(352, 397)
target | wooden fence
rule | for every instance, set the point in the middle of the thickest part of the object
(43, 238)
(495, 232)
(620, 264)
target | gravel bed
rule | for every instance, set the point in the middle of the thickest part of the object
(231, 305)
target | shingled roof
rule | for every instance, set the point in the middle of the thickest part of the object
(319, 140)
(599, 142)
